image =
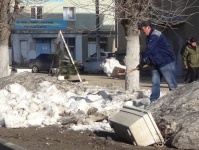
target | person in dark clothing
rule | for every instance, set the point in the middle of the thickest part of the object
(159, 55)
(187, 70)
(191, 59)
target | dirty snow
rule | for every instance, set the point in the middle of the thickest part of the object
(28, 99)
(46, 105)
(177, 116)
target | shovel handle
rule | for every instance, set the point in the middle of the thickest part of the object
(137, 68)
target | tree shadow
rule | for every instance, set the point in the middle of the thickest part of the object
(113, 136)
(110, 135)
(3, 147)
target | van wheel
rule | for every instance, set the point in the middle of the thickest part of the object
(35, 69)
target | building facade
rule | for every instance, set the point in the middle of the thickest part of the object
(36, 29)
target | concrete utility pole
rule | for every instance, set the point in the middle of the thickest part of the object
(97, 30)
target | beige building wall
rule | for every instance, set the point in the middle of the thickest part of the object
(85, 12)
(82, 28)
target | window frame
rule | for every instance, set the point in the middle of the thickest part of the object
(36, 13)
(70, 41)
(65, 15)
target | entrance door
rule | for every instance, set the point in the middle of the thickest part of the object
(43, 46)
(91, 48)
(24, 51)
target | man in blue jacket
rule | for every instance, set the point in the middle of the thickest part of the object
(159, 55)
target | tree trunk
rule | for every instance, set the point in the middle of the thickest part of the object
(132, 60)
(4, 61)
(4, 37)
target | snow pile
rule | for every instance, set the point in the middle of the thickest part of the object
(177, 116)
(90, 108)
(38, 100)
(112, 66)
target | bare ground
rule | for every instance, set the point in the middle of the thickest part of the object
(60, 138)
(55, 138)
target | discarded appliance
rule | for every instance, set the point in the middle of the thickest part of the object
(136, 126)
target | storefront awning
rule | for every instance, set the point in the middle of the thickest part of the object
(44, 35)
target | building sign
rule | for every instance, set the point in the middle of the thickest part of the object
(40, 24)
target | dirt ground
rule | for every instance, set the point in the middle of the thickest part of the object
(115, 83)
(60, 138)
(55, 138)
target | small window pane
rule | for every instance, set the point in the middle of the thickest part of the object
(33, 13)
(71, 41)
(69, 13)
(39, 13)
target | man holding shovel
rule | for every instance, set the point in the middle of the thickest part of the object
(159, 55)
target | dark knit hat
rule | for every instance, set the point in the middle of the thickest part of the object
(192, 40)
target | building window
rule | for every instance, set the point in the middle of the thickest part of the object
(69, 13)
(37, 12)
(103, 43)
(71, 46)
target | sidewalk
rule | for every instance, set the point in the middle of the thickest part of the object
(104, 80)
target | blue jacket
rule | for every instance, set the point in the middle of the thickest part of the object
(158, 52)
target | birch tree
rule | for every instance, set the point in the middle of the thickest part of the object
(130, 13)
(8, 12)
